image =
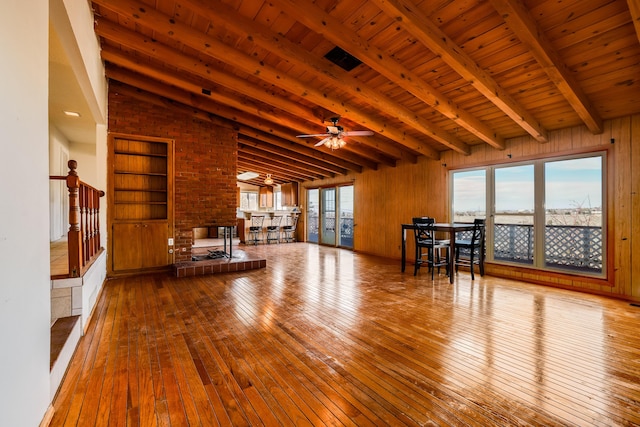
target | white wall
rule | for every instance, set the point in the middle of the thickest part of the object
(85, 155)
(101, 178)
(24, 213)
(73, 22)
(58, 193)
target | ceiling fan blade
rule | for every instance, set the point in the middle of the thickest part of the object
(311, 135)
(358, 133)
(323, 141)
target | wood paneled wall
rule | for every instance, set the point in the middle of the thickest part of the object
(390, 196)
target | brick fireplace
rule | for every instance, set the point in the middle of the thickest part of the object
(205, 161)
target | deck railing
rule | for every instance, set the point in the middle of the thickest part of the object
(83, 237)
(345, 229)
(572, 247)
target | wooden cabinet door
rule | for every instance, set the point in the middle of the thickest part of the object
(140, 245)
(289, 194)
(126, 246)
(266, 197)
(154, 246)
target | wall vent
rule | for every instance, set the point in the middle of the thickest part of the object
(342, 59)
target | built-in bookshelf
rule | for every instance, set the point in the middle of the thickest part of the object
(141, 203)
(140, 179)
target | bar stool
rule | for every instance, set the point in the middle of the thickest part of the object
(289, 229)
(255, 229)
(273, 230)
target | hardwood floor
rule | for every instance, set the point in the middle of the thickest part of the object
(323, 336)
(59, 258)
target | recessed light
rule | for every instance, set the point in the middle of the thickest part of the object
(72, 113)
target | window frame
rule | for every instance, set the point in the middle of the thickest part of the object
(246, 193)
(539, 214)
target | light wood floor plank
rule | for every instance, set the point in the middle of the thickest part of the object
(259, 376)
(324, 336)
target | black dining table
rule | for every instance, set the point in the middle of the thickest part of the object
(452, 228)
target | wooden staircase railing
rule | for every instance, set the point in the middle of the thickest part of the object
(83, 238)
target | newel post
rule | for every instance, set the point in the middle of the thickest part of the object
(74, 236)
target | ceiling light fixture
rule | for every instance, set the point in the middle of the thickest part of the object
(268, 179)
(245, 176)
(335, 142)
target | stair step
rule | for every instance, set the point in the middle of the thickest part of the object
(60, 331)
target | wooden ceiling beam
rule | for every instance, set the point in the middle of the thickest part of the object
(291, 155)
(284, 161)
(634, 9)
(363, 150)
(112, 32)
(306, 149)
(332, 164)
(279, 174)
(346, 160)
(226, 17)
(526, 29)
(267, 161)
(146, 46)
(409, 16)
(319, 21)
(207, 45)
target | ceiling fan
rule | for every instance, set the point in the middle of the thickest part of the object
(334, 135)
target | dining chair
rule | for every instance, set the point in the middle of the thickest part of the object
(428, 248)
(473, 247)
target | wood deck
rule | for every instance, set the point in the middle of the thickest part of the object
(323, 336)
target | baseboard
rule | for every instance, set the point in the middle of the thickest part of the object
(48, 416)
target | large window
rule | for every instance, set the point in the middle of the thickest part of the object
(249, 200)
(545, 213)
(277, 199)
(469, 195)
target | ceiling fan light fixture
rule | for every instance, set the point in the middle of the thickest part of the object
(268, 180)
(335, 142)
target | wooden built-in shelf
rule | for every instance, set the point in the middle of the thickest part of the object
(140, 203)
(142, 208)
(141, 173)
(136, 153)
(141, 190)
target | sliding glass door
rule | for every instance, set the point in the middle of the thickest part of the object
(345, 213)
(330, 216)
(313, 215)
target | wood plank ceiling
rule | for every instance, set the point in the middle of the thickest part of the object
(434, 75)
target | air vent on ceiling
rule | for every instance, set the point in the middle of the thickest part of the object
(342, 59)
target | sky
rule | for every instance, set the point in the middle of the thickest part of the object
(568, 184)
